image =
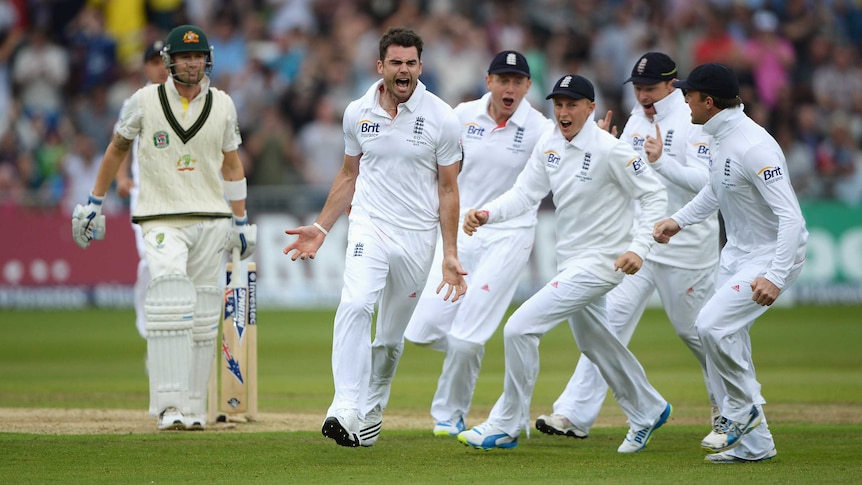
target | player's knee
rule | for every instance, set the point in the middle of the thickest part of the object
(170, 303)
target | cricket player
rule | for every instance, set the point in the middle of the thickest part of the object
(594, 178)
(683, 272)
(763, 256)
(189, 166)
(499, 131)
(400, 181)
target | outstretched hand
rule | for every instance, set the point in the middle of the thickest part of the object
(605, 123)
(654, 146)
(453, 279)
(308, 241)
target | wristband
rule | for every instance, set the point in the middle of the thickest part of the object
(95, 199)
(235, 189)
(324, 231)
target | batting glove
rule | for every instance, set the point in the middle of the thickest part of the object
(88, 223)
(243, 236)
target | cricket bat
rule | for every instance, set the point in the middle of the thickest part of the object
(234, 375)
(251, 342)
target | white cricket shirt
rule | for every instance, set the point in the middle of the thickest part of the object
(594, 179)
(748, 182)
(397, 180)
(495, 155)
(683, 168)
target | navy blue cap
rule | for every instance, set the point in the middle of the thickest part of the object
(153, 50)
(653, 68)
(573, 86)
(713, 79)
(509, 62)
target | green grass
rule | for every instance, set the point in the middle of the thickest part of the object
(808, 361)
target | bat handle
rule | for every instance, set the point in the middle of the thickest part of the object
(235, 283)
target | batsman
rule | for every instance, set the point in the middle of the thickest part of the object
(191, 208)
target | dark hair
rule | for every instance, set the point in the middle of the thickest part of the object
(402, 37)
(722, 103)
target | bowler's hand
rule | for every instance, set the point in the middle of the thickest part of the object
(664, 230)
(763, 291)
(307, 243)
(605, 123)
(628, 263)
(654, 146)
(453, 277)
(473, 220)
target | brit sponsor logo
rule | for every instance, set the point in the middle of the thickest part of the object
(553, 159)
(368, 128)
(638, 141)
(702, 150)
(770, 174)
(473, 131)
(637, 164)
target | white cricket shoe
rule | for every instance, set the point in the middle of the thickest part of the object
(343, 427)
(170, 419)
(195, 423)
(449, 428)
(726, 434)
(557, 424)
(369, 428)
(725, 458)
(637, 440)
(486, 436)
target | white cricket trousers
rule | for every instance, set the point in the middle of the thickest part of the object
(494, 260)
(723, 326)
(195, 250)
(385, 266)
(578, 296)
(682, 291)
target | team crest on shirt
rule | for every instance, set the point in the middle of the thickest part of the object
(668, 138)
(727, 183)
(160, 240)
(161, 139)
(186, 163)
(418, 132)
(584, 174)
(770, 174)
(517, 141)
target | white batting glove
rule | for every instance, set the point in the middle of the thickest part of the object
(243, 236)
(88, 223)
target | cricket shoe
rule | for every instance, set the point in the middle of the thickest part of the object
(486, 436)
(369, 428)
(715, 415)
(726, 434)
(170, 419)
(725, 458)
(195, 423)
(450, 428)
(343, 427)
(557, 424)
(637, 440)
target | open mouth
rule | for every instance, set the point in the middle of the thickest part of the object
(648, 106)
(508, 102)
(402, 82)
(565, 124)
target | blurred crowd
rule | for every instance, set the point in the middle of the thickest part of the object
(292, 66)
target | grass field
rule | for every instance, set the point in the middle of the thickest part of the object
(808, 361)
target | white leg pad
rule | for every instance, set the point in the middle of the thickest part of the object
(208, 312)
(170, 306)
